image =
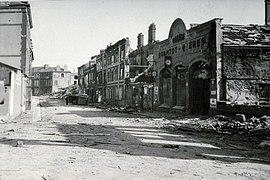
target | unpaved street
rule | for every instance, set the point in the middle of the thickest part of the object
(56, 141)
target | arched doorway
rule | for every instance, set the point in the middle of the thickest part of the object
(165, 87)
(199, 88)
(179, 86)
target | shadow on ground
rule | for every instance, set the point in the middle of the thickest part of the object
(140, 141)
(99, 112)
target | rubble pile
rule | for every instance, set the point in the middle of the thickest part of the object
(246, 34)
(121, 109)
(63, 92)
(223, 124)
(238, 125)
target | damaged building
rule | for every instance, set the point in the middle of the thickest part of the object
(245, 69)
(186, 64)
(210, 68)
(140, 82)
(214, 68)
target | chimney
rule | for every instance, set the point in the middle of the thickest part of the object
(152, 33)
(102, 51)
(140, 40)
(267, 12)
(58, 67)
(46, 66)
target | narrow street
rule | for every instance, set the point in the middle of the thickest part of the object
(58, 141)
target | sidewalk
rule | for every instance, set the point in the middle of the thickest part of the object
(35, 109)
(32, 115)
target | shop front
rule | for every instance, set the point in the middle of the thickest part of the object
(185, 63)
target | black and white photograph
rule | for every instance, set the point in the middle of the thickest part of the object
(134, 89)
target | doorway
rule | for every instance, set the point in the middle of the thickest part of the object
(199, 88)
(179, 86)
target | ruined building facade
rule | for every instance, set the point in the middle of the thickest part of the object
(245, 68)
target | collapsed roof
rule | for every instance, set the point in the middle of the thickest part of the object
(246, 35)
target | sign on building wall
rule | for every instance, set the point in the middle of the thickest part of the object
(177, 31)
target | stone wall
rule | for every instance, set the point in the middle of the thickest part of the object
(246, 71)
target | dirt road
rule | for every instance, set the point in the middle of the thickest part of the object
(56, 141)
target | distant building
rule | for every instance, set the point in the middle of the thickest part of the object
(16, 56)
(92, 80)
(81, 79)
(103, 77)
(101, 74)
(116, 57)
(87, 77)
(139, 86)
(48, 79)
(74, 78)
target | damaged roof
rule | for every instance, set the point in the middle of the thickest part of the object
(246, 35)
(48, 69)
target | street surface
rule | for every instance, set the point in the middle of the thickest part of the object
(58, 141)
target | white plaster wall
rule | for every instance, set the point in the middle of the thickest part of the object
(62, 81)
(10, 38)
(15, 94)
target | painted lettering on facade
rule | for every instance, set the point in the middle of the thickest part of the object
(178, 38)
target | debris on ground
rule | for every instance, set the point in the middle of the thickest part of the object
(10, 130)
(63, 92)
(19, 144)
(120, 109)
(265, 144)
(170, 146)
(239, 124)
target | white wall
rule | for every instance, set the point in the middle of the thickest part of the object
(16, 98)
(11, 37)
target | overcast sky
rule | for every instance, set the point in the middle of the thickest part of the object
(71, 31)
